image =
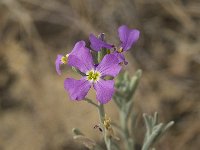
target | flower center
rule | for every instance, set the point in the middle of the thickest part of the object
(64, 59)
(93, 75)
(120, 50)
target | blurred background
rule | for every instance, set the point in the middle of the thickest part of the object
(35, 110)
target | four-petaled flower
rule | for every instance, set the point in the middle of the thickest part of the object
(127, 38)
(94, 75)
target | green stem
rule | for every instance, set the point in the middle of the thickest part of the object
(101, 117)
(128, 141)
(91, 102)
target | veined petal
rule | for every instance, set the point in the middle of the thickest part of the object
(77, 89)
(81, 58)
(97, 44)
(58, 63)
(120, 57)
(104, 90)
(109, 65)
(128, 36)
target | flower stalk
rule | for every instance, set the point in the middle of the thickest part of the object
(91, 102)
(124, 125)
(107, 139)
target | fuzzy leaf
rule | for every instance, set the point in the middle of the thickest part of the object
(87, 142)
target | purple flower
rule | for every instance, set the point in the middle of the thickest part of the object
(120, 56)
(97, 44)
(94, 75)
(60, 60)
(127, 36)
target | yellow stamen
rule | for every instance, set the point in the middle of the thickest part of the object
(93, 75)
(64, 59)
(120, 50)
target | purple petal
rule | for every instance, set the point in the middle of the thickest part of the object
(77, 47)
(77, 89)
(81, 58)
(98, 44)
(127, 36)
(104, 90)
(109, 65)
(58, 63)
(120, 57)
